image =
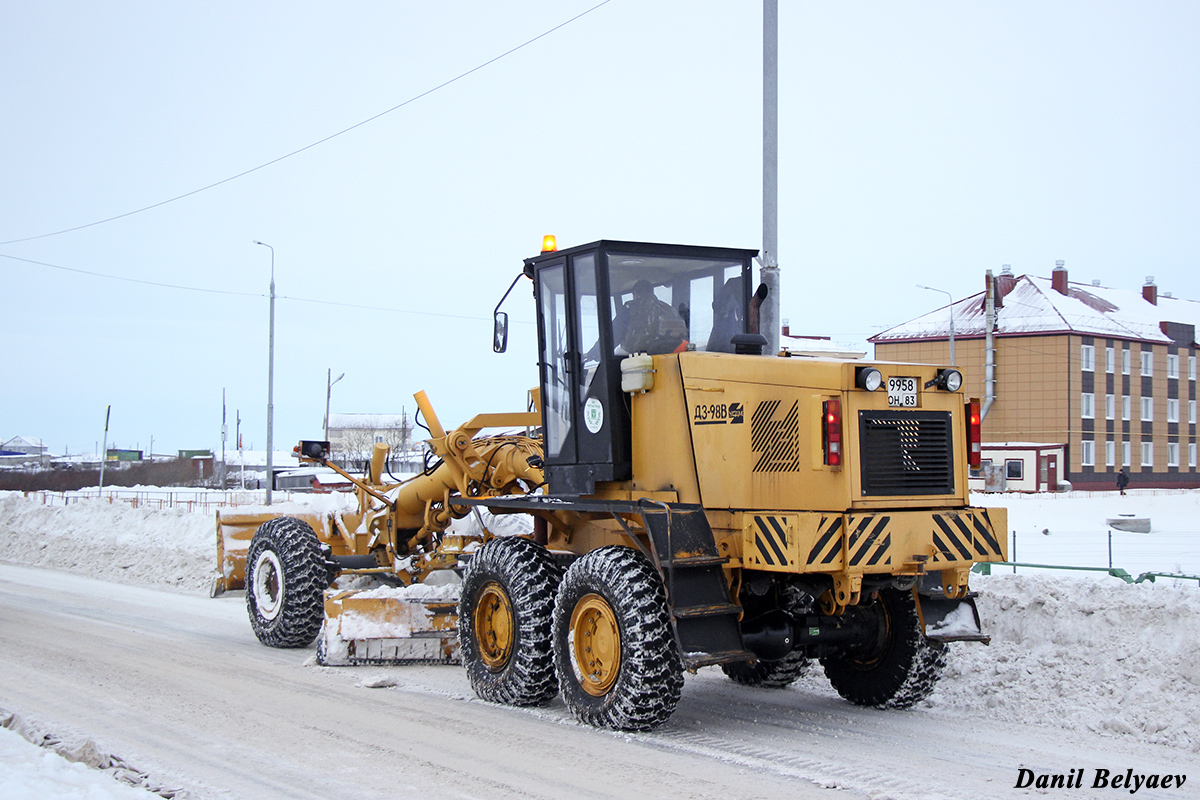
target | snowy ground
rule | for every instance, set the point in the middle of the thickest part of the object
(1088, 655)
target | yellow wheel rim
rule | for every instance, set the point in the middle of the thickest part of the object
(494, 627)
(595, 644)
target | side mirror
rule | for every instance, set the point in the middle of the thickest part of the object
(500, 332)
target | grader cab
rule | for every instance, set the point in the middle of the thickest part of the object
(695, 502)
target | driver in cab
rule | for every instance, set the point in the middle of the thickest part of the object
(648, 325)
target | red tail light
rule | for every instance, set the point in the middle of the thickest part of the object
(831, 428)
(974, 435)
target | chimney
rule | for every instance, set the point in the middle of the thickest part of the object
(1058, 278)
(786, 327)
(1005, 283)
(1150, 291)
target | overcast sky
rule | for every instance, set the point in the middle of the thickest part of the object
(920, 142)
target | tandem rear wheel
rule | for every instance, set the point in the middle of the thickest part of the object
(600, 633)
(614, 649)
(504, 617)
(899, 667)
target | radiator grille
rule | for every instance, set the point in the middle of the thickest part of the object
(906, 452)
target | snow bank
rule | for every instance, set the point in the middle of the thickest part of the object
(1093, 654)
(151, 546)
(35, 765)
(113, 541)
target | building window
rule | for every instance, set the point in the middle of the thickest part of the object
(1110, 360)
(1125, 361)
(1087, 454)
(1192, 454)
(1192, 411)
(1126, 454)
(1126, 408)
(1147, 454)
(1087, 358)
(1110, 453)
(1014, 469)
(1172, 454)
(1172, 410)
(983, 464)
(1172, 366)
(1191, 368)
(1087, 405)
(1147, 363)
(1147, 409)
(1110, 406)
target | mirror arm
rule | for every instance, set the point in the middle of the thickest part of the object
(511, 286)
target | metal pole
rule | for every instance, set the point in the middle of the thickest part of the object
(328, 392)
(769, 260)
(104, 453)
(241, 456)
(271, 384)
(224, 433)
(943, 291)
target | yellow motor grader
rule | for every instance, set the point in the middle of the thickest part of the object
(693, 502)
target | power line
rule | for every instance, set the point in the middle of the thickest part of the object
(130, 280)
(394, 310)
(307, 147)
(161, 285)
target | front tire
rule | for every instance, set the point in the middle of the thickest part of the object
(504, 617)
(286, 578)
(900, 668)
(618, 665)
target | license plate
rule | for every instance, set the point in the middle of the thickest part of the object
(902, 392)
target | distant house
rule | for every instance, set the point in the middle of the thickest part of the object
(1085, 379)
(352, 439)
(24, 445)
(21, 450)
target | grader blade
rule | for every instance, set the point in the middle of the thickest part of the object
(390, 625)
(235, 531)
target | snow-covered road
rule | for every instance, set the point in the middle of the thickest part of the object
(177, 685)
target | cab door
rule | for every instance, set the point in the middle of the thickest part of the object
(585, 421)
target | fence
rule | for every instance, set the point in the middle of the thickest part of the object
(1167, 554)
(191, 500)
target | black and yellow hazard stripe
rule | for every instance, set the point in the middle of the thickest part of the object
(869, 542)
(964, 537)
(770, 537)
(828, 545)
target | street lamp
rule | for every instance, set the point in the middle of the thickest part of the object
(328, 391)
(271, 383)
(943, 291)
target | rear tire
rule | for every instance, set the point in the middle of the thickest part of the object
(504, 617)
(901, 669)
(286, 578)
(618, 665)
(769, 674)
(782, 672)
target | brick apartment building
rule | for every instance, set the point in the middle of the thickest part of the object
(1086, 378)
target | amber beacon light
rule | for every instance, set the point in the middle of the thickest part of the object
(549, 244)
